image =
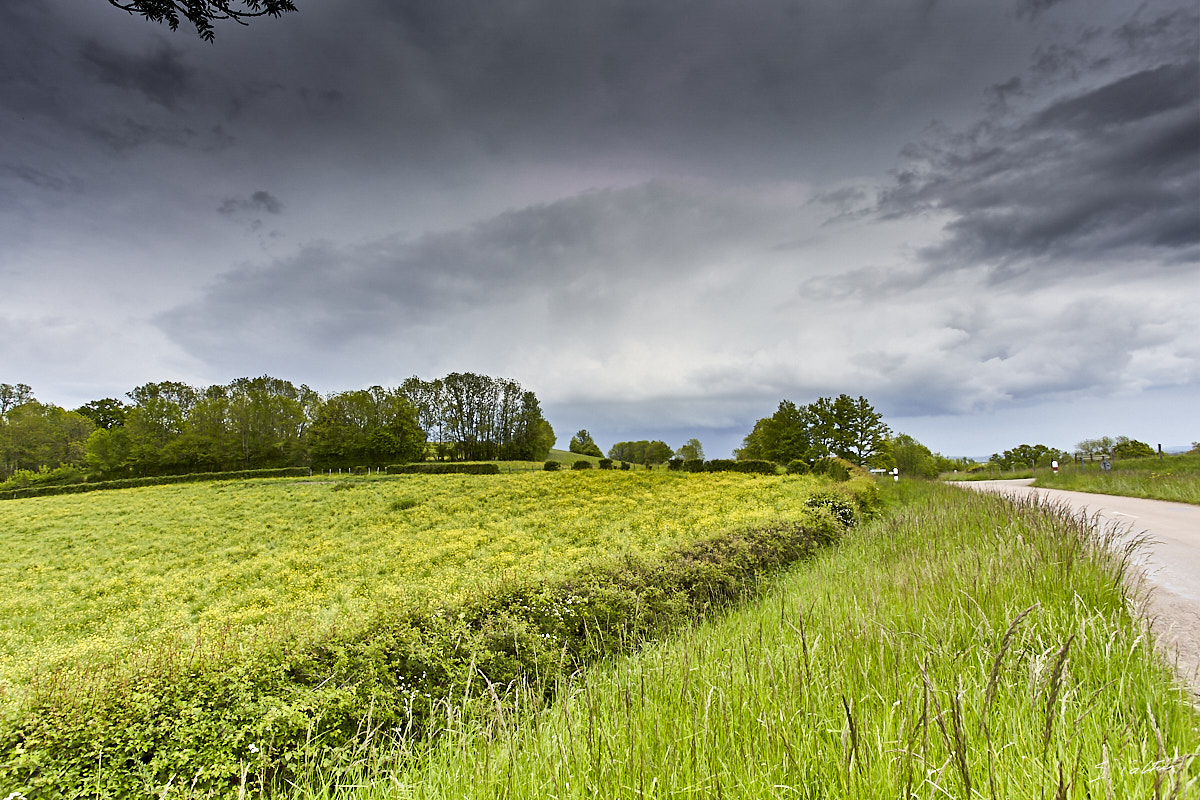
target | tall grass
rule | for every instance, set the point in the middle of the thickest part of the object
(966, 646)
(1174, 478)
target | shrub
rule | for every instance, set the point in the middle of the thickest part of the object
(751, 466)
(552, 466)
(798, 467)
(832, 467)
(693, 465)
(582, 464)
(606, 463)
(675, 464)
(624, 465)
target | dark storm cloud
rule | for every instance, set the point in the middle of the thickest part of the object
(160, 76)
(1089, 179)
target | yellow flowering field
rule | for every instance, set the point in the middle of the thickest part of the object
(92, 576)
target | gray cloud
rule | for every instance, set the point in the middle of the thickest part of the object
(590, 255)
(1085, 182)
(160, 76)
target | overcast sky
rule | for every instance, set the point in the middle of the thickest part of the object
(663, 216)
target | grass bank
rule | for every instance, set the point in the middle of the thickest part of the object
(963, 646)
(1174, 478)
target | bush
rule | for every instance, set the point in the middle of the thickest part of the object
(693, 465)
(606, 463)
(552, 466)
(675, 464)
(26, 478)
(582, 464)
(832, 467)
(751, 466)
(798, 467)
(624, 465)
(444, 468)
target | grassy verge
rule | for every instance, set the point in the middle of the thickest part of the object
(1174, 478)
(965, 646)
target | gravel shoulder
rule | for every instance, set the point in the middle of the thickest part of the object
(1169, 563)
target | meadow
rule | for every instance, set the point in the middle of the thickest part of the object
(960, 646)
(225, 619)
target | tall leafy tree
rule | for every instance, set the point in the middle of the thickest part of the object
(106, 413)
(13, 395)
(841, 426)
(583, 444)
(34, 436)
(367, 427)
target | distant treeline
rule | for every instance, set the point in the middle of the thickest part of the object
(172, 428)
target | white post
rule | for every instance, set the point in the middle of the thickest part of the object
(895, 474)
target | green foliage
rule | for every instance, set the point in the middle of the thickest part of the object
(34, 435)
(107, 413)
(582, 444)
(582, 464)
(691, 451)
(798, 467)
(693, 465)
(641, 452)
(444, 468)
(1131, 448)
(1027, 456)
(832, 467)
(843, 426)
(25, 479)
(372, 427)
(552, 466)
(915, 460)
(749, 466)
(605, 463)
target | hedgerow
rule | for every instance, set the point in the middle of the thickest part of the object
(207, 714)
(444, 468)
(161, 480)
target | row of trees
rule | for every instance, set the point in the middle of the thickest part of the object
(473, 417)
(252, 423)
(843, 426)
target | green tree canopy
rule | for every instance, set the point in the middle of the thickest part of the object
(845, 427)
(582, 443)
(641, 452)
(1131, 448)
(691, 451)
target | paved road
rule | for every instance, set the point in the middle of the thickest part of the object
(1171, 561)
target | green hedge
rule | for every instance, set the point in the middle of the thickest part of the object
(283, 706)
(751, 466)
(161, 480)
(444, 468)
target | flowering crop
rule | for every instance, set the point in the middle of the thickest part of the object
(86, 578)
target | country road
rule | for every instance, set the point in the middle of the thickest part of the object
(1171, 561)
